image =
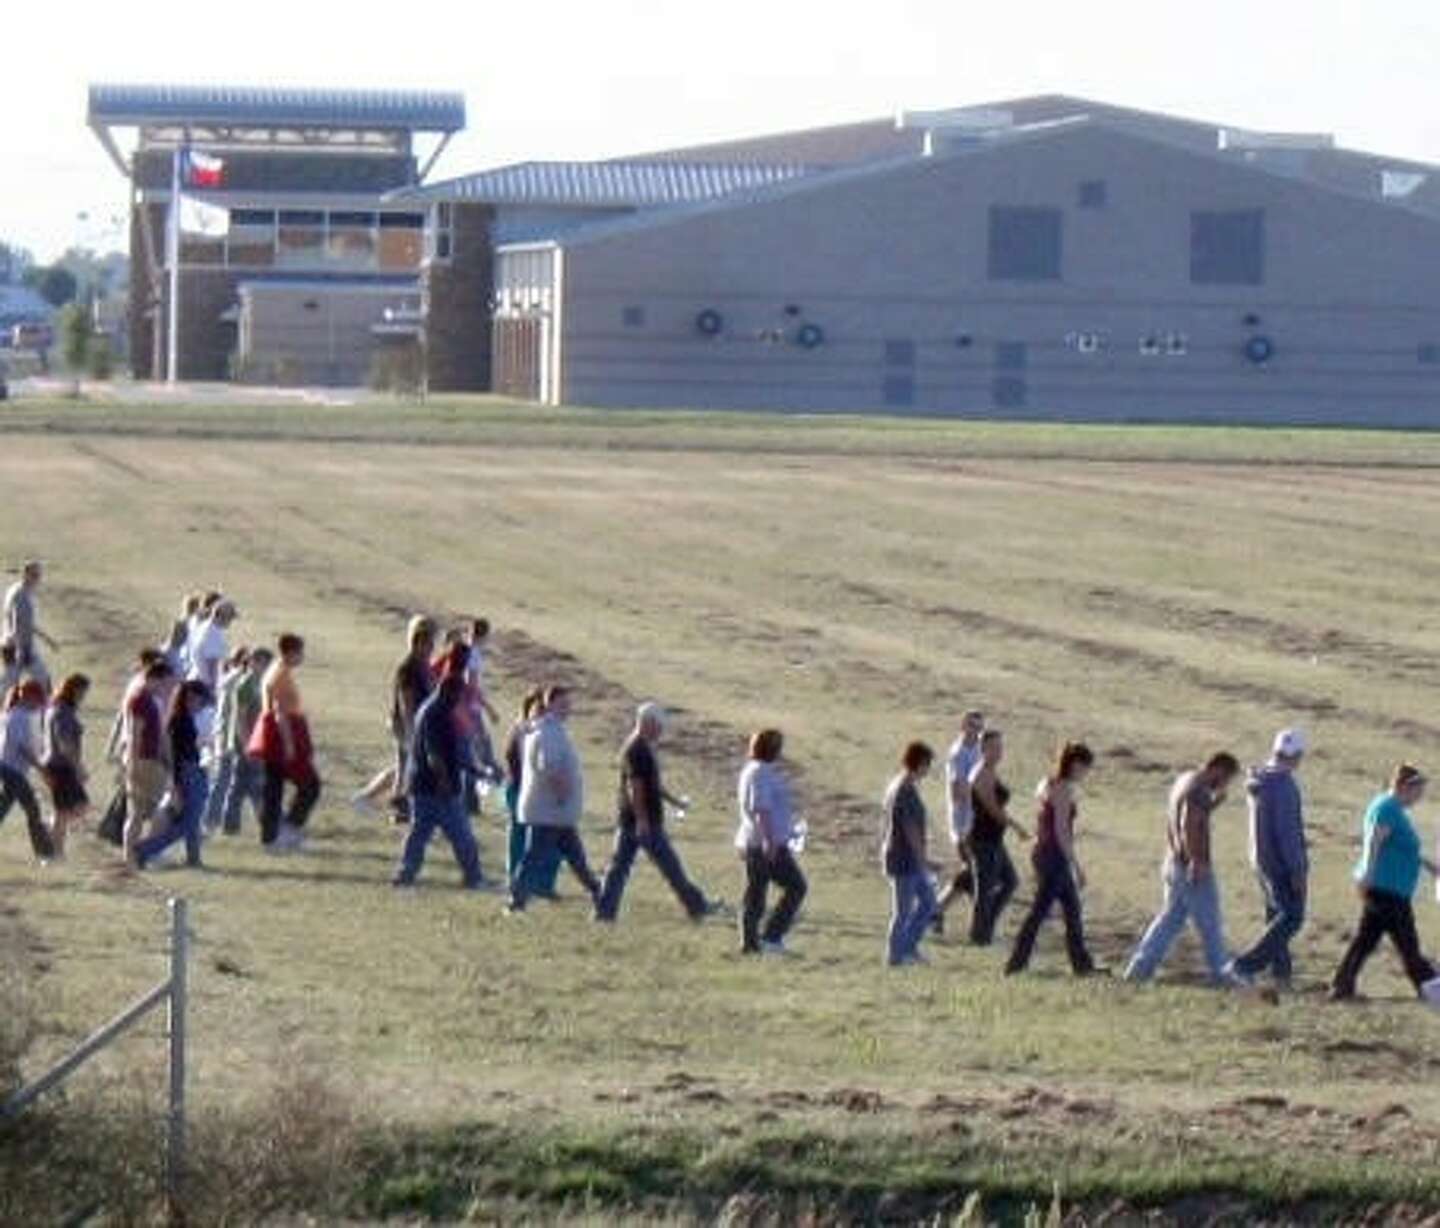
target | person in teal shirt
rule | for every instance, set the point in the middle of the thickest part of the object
(1386, 877)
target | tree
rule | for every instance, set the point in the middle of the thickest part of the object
(14, 260)
(75, 334)
(56, 284)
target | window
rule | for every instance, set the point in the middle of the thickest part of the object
(440, 237)
(1227, 249)
(351, 241)
(301, 238)
(1024, 244)
(251, 241)
(1092, 194)
(402, 241)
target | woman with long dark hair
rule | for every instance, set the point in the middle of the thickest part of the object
(189, 787)
(1058, 876)
(64, 761)
(904, 858)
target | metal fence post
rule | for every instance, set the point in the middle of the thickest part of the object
(179, 958)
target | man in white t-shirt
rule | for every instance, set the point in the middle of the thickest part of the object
(959, 764)
(208, 650)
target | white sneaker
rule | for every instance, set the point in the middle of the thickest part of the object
(364, 807)
(774, 948)
(291, 839)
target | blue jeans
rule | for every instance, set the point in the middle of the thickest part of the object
(657, 845)
(547, 843)
(191, 791)
(912, 908)
(1284, 915)
(544, 873)
(428, 812)
(247, 784)
(1184, 901)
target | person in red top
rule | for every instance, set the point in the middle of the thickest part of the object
(1058, 875)
(144, 753)
(281, 741)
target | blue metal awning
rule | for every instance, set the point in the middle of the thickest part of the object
(412, 110)
(607, 184)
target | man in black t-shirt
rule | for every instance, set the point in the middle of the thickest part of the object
(640, 822)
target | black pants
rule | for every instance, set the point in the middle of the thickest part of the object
(760, 871)
(307, 793)
(545, 846)
(15, 788)
(1384, 913)
(1054, 883)
(995, 883)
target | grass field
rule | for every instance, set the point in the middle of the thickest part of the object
(1161, 592)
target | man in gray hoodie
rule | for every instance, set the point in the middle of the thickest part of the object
(1277, 849)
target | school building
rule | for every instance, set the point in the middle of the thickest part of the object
(1044, 256)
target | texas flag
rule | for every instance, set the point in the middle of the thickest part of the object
(202, 171)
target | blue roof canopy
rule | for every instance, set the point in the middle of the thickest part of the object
(607, 184)
(413, 110)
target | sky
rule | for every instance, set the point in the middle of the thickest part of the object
(601, 78)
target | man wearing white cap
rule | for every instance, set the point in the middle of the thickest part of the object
(1278, 852)
(640, 822)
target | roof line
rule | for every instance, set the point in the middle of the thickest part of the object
(601, 231)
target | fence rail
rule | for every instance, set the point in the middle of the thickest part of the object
(171, 992)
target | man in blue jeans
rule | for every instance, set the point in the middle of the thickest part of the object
(438, 759)
(1191, 892)
(640, 822)
(1277, 849)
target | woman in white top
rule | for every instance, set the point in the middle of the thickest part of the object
(766, 828)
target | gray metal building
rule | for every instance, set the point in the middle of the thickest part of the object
(1042, 257)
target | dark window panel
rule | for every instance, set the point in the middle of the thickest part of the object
(1227, 248)
(1025, 243)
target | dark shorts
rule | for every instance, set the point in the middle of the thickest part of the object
(66, 791)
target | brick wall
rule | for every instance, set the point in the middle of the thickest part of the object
(459, 321)
(299, 172)
(146, 361)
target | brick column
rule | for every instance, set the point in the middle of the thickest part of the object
(459, 324)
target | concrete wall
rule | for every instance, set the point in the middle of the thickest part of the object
(893, 267)
(310, 334)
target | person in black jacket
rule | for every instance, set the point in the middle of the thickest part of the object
(439, 759)
(189, 788)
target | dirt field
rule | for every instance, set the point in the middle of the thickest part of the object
(1161, 593)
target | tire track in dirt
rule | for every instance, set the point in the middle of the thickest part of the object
(1374, 656)
(1258, 695)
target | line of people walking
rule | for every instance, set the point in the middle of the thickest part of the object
(203, 731)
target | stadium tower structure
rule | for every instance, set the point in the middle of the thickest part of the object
(309, 259)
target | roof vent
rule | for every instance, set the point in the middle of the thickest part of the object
(1261, 142)
(1397, 185)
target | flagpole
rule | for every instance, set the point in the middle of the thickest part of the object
(172, 339)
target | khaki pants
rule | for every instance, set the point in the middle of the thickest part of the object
(145, 783)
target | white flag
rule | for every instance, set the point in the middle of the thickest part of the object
(198, 217)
